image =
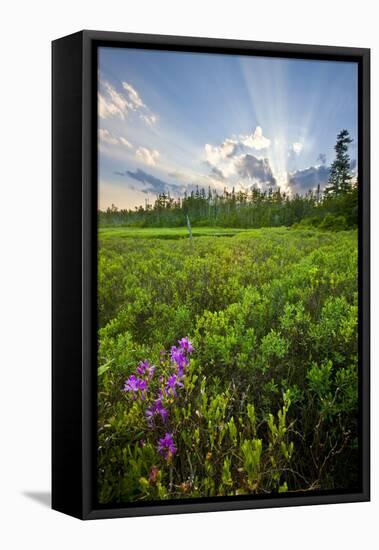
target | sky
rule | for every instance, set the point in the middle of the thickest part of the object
(171, 121)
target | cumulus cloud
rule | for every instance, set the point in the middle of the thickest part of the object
(232, 146)
(221, 158)
(215, 155)
(228, 159)
(256, 140)
(302, 181)
(147, 156)
(297, 147)
(256, 170)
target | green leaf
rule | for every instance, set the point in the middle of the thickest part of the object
(103, 368)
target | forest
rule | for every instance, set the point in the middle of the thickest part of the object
(253, 208)
(243, 209)
(228, 344)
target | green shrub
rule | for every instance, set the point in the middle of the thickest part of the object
(333, 223)
(270, 399)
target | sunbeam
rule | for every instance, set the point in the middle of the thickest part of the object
(219, 121)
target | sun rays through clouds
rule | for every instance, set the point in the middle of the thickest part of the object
(216, 121)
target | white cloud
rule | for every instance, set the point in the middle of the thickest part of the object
(226, 158)
(118, 99)
(136, 104)
(214, 155)
(112, 103)
(147, 156)
(133, 95)
(106, 137)
(125, 142)
(107, 109)
(255, 141)
(222, 157)
(297, 147)
(102, 106)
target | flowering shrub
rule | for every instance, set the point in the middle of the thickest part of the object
(166, 447)
(180, 432)
(158, 396)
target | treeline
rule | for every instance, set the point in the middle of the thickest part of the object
(240, 209)
(335, 207)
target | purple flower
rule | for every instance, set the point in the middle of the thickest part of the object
(142, 385)
(172, 382)
(186, 345)
(135, 385)
(132, 383)
(142, 366)
(161, 410)
(150, 412)
(155, 409)
(177, 356)
(166, 446)
(145, 368)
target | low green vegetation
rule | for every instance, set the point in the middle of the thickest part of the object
(164, 232)
(267, 399)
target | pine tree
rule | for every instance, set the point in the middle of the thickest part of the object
(340, 177)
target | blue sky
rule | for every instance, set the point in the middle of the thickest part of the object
(169, 121)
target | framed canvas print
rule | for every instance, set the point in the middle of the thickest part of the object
(210, 274)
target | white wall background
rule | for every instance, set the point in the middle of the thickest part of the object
(27, 27)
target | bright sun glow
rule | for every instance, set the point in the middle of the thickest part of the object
(172, 122)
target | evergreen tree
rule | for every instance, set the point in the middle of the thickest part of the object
(340, 177)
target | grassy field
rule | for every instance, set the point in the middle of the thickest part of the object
(266, 401)
(165, 232)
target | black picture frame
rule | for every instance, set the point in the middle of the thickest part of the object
(74, 268)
